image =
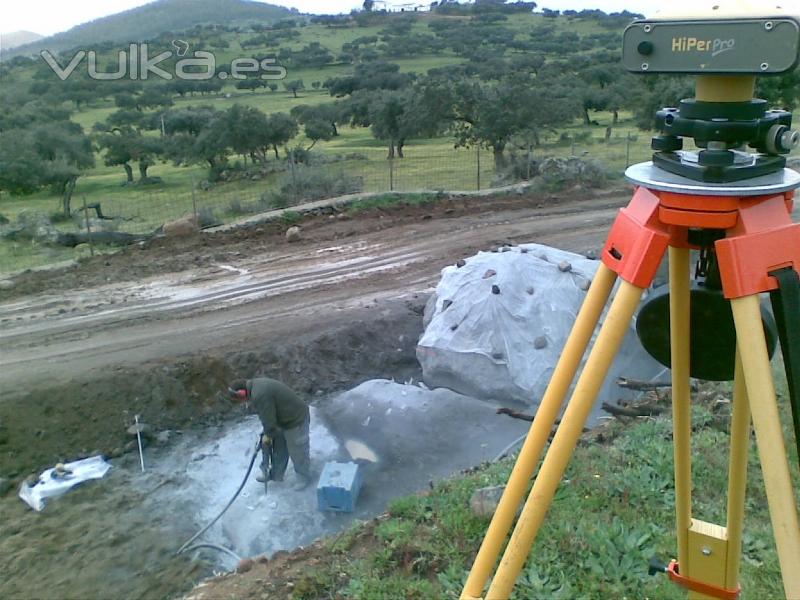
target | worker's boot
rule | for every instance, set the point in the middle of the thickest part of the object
(262, 476)
(303, 481)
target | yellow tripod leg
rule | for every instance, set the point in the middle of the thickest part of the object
(546, 415)
(769, 438)
(681, 395)
(555, 462)
(737, 475)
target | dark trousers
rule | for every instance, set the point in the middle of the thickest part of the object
(291, 443)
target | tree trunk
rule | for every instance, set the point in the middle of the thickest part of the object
(390, 155)
(616, 116)
(400, 145)
(128, 172)
(499, 157)
(586, 119)
(335, 130)
(294, 91)
(143, 166)
(275, 147)
(66, 196)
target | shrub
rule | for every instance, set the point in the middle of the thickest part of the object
(520, 167)
(560, 173)
(307, 184)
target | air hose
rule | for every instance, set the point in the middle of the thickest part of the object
(222, 512)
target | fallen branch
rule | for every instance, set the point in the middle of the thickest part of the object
(645, 410)
(638, 385)
(524, 417)
(112, 238)
(514, 414)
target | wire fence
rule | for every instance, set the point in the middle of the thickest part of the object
(243, 189)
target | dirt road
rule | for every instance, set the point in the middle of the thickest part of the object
(257, 286)
(158, 331)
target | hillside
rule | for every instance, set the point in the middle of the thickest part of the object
(153, 19)
(15, 39)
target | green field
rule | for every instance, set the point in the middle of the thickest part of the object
(432, 164)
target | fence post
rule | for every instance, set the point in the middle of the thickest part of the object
(88, 228)
(294, 176)
(478, 156)
(628, 150)
(528, 178)
(194, 203)
(391, 173)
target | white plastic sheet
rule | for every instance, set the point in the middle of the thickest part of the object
(51, 484)
(501, 320)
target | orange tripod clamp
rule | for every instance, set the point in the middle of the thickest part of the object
(698, 586)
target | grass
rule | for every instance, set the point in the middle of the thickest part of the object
(612, 513)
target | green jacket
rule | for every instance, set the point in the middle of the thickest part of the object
(276, 405)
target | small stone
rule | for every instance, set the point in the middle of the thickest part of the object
(262, 559)
(529, 290)
(5, 486)
(564, 266)
(115, 452)
(505, 249)
(6, 284)
(142, 428)
(245, 565)
(82, 250)
(591, 255)
(495, 289)
(543, 256)
(584, 284)
(445, 305)
(484, 501)
(162, 437)
(489, 273)
(133, 446)
(460, 262)
(497, 355)
(453, 327)
(293, 234)
(540, 342)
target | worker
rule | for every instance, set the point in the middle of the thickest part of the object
(285, 418)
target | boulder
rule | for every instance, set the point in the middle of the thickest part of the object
(484, 501)
(182, 227)
(293, 234)
(491, 338)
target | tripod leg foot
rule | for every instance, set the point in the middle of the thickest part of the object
(769, 438)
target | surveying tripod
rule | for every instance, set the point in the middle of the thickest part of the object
(736, 208)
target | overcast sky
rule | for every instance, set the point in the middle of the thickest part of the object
(47, 17)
